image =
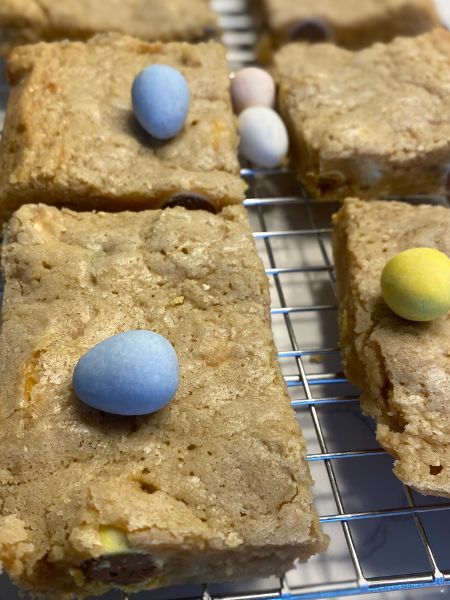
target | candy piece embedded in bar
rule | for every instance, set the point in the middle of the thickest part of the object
(213, 487)
(351, 24)
(402, 367)
(71, 137)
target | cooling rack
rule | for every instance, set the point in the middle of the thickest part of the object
(383, 536)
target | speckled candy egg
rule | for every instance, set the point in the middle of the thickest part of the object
(264, 139)
(132, 373)
(415, 284)
(160, 96)
(252, 87)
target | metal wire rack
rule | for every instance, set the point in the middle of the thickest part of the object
(383, 536)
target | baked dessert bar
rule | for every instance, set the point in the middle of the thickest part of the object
(71, 138)
(213, 487)
(30, 21)
(370, 123)
(402, 367)
(352, 24)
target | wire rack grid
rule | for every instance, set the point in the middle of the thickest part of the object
(383, 536)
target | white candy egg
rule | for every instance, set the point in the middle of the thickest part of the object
(264, 138)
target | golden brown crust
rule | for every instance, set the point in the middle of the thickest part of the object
(370, 123)
(353, 24)
(402, 367)
(215, 486)
(31, 21)
(71, 138)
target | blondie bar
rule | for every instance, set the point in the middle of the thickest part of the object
(352, 24)
(30, 21)
(213, 487)
(370, 123)
(71, 138)
(402, 367)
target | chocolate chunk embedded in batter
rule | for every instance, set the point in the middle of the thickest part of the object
(310, 30)
(191, 201)
(121, 569)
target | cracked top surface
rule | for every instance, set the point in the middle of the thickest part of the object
(71, 138)
(403, 367)
(28, 21)
(373, 115)
(221, 467)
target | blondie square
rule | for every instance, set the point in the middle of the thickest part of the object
(352, 24)
(371, 123)
(402, 367)
(30, 21)
(215, 486)
(71, 138)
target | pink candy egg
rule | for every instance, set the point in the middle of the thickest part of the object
(252, 87)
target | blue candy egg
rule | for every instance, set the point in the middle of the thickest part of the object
(160, 96)
(132, 373)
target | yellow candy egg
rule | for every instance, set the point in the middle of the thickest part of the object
(113, 540)
(415, 284)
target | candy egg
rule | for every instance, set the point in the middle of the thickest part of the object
(252, 87)
(415, 284)
(132, 373)
(118, 563)
(113, 540)
(160, 97)
(264, 139)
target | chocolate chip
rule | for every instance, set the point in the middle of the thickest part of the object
(121, 569)
(310, 30)
(435, 470)
(191, 201)
(210, 33)
(329, 181)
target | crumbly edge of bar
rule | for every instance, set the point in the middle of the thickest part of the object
(12, 196)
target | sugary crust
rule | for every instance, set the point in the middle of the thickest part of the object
(370, 123)
(354, 23)
(402, 367)
(31, 21)
(215, 486)
(71, 138)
